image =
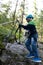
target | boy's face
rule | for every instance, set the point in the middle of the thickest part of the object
(28, 19)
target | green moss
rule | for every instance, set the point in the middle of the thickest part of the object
(1, 45)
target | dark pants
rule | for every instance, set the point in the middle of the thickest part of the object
(31, 45)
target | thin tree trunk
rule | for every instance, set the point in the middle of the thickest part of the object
(21, 20)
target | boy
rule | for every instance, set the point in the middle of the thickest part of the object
(31, 43)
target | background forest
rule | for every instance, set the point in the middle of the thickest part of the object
(9, 22)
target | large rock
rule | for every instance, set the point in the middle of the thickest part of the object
(16, 48)
(14, 55)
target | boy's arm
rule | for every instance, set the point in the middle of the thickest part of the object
(24, 26)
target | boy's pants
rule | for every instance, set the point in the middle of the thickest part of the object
(31, 45)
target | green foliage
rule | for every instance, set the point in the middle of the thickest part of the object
(3, 30)
(41, 17)
(40, 26)
(3, 18)
(2, 45)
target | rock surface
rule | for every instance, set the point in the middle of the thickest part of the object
(16, 48)
(15, 55)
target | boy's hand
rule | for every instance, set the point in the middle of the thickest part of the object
(19, 25)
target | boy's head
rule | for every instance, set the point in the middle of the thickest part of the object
(29, 18)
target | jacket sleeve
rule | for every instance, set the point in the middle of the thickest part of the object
(25, 27)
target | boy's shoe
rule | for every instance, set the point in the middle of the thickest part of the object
(36, 59)
(29, 56)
